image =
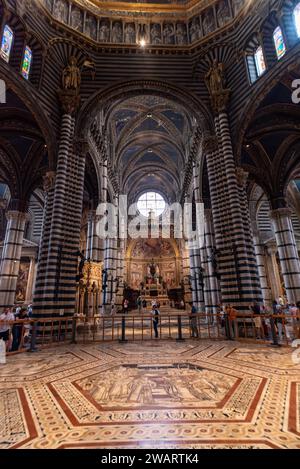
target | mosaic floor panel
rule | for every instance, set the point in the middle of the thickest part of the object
(151, 395)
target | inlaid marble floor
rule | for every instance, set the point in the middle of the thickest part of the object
(151, 395)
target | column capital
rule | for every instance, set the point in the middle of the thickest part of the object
(49, 180)
(69, 101)
(81, 147)
(210, 143)
(280, 213)
(272, 248)
(15, 215)
(242, 177)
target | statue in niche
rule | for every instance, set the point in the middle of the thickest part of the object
(155, 34)
(129, 33)
(60, 11)
(223, 13)
(237, 5)
(91, 27)
(104, 31)
(169, 33)
(209, 22)
(71, 78)
(116, 34)
(181, 34)
(195, 32)
(76, 19)
(215, 79)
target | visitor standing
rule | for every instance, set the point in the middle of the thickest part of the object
(194, 327)
(5, 327)
(155, 320)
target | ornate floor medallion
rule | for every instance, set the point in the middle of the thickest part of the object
(154, 395)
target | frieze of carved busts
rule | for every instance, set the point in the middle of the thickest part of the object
(215, 82)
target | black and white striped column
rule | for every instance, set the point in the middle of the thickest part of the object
(288, 253)
(260, 253)
(208, 252)
(95, 245)
(58, 264)
(11, 256)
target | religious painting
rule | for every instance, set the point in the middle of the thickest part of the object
(194, 29)
(152, 248)
(27, 60)
(181, 34)
(169, 33)
(76, 19)
(22, 281)
(6, 44)
(129, 33)
(155, 34)
(61, 11)
(104, 31)
(91, 27)
(223, 13)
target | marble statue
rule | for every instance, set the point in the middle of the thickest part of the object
(61, 10)
(215, 78)
(71, 78)
(116, 34)
(104, 31)
(169, 33)
(223, 13)
(181, 34)
(208, 22)
(91, 27)
(155, 34)
(195, 32)
(129, 33)
(76, 19)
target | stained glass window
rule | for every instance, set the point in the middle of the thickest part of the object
(260, 61)
(151, 202)
(6, 44)
(27, 59)
(279, 42)
(297, 18)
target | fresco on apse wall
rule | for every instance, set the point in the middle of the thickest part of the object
(153, 262)
(161, 32)
(22, 281)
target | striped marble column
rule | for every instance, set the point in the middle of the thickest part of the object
(260, 253)
(288, 253)
(95, 245)
(11, 256)
(239, 281)
(58, 264)
(212, 287)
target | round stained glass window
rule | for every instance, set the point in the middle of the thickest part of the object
(151, 202)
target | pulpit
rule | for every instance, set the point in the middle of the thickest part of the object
(89, 289)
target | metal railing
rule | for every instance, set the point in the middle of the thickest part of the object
(34, 334)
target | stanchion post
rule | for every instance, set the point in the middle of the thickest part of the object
(123, 339)
(180, 338)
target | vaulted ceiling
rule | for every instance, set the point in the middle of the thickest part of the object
(150, 138)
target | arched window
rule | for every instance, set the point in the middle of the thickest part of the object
(6, 43)
(26, 64)
(260, 63)
(256, 62)
(279, 42)
(297, 18)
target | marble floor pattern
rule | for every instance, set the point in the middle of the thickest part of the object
(151, 395)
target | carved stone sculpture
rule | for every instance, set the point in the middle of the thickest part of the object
(71, 78)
